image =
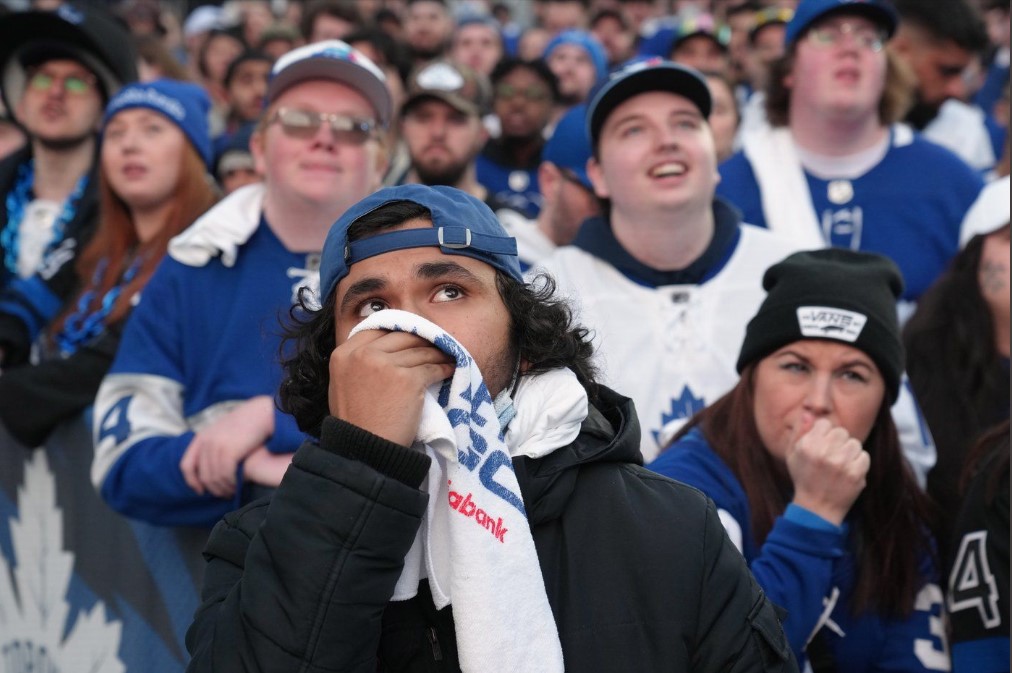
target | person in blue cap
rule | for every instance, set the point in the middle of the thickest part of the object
(154, 159)
(656, 275)
(352, 564)
(567, 194)
(57, 72)
(834, 167)
(185, 425)
(579, 62)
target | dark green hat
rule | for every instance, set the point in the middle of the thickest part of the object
(835, 294)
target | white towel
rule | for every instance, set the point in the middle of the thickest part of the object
(787, 203)
(475, 545)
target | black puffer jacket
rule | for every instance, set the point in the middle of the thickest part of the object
(639, 572)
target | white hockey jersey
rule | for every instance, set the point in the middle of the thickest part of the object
(671, 348)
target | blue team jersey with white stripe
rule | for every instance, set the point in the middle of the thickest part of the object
(203, 339)
(908, 207)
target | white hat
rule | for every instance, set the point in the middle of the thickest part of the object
(988, 213)
(203, 19)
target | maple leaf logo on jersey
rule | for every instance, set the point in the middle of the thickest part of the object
(34, 609)
(682, 408)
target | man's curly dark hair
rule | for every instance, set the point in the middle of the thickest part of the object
(541, 327)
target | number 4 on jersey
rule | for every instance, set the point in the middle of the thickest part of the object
(115, 423)
(973, 584)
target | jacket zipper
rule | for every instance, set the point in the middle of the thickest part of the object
(437, 653)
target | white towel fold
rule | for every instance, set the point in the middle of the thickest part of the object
(475, 545)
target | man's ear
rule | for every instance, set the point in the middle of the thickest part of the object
(548, 178)
(256, 149)
(382, 159)
(596, 176)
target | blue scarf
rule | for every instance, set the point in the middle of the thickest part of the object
(17, 201)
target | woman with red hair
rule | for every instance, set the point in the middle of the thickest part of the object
(153, 184)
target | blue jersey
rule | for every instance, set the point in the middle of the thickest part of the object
(514, 187)
(203, 339)
(908, 207)
(806, 565)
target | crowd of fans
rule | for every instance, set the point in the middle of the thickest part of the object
(693, 177)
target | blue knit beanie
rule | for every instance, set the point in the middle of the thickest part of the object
(184, 104)
(581, 38)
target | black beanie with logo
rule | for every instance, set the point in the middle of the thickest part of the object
(835, 294)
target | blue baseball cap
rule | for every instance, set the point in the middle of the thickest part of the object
(461, 225)
(587, 42)
(636, 77)
(810, 11)
(184, 104)
(569, 146)
(339, 62)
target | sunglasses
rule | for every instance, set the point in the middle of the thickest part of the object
(533, 93)
(75, 84)
(305, 124)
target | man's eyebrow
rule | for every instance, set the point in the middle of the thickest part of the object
(433, 270)
(360, 289)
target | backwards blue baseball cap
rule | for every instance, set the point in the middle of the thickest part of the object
(652, 74)
(809, 11)
(336, 61)
(461, 225)
(569, 146)
(184, 104)
(585, 41)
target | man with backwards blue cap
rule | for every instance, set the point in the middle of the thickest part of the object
(472, 500)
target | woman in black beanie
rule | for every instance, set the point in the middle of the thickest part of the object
(803, 461)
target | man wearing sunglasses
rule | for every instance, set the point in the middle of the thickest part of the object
(524, 96)
(57, 70)
(185, 422)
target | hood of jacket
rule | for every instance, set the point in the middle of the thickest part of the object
(610, 434)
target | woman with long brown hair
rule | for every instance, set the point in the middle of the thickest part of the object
(803, 462)
(153, 183)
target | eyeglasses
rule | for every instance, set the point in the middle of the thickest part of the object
(533, 93)
(832, 35)
(305, 124)
(75, 84)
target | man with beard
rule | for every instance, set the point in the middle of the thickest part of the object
(58, 69)
(427, 29)
(524, 93)
(941, 43)
(441, 126)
